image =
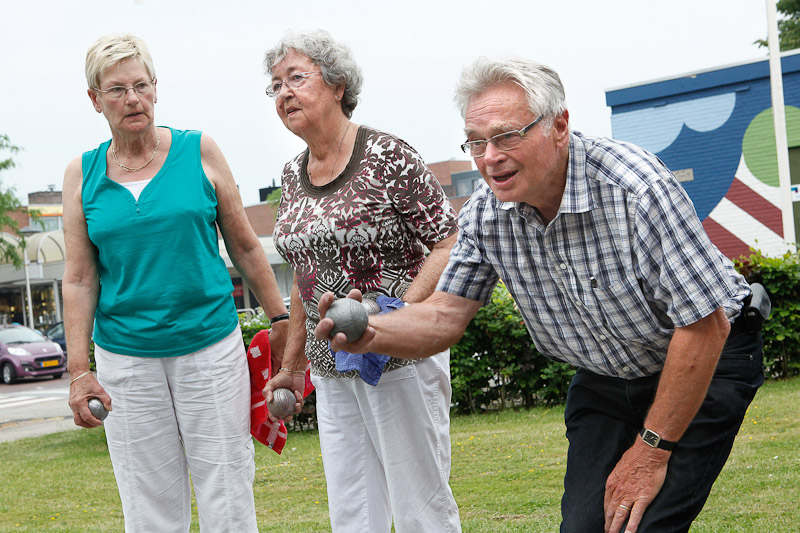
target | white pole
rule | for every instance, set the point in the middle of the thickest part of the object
(57, 301)
(779, 118)
(28, 287)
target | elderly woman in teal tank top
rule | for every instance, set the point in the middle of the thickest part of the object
(144, 278)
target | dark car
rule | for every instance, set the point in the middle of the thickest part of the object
(56, 334)
(25, 353)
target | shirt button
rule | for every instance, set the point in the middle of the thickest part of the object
(563, 266)
(602, 337)
(625, 369)
(138, 210)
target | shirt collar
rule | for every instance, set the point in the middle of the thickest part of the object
(577, 197)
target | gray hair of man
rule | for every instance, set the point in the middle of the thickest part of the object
(542, 85)
(110, 50)
(334, 59)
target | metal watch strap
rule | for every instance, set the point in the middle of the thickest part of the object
(654, 440)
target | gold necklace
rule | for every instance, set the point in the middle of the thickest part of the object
(137, 169)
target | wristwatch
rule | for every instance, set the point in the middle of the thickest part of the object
(654, 440)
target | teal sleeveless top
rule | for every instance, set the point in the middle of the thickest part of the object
(164, 289)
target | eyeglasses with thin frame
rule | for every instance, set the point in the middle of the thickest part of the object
(143, 88)
(502, 141)
(295, 81)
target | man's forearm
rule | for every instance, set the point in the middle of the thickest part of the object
(691, 360)
(418, 330)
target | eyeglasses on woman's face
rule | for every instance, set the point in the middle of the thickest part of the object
(294, 81)
(142, 88)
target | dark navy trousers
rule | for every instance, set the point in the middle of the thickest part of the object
(603, 416)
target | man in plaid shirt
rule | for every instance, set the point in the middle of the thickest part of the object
(604, 254)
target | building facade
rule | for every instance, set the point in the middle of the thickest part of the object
(714, 130)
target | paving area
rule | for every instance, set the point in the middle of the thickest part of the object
(34, 408)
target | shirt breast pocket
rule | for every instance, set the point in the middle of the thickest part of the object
(624, 311)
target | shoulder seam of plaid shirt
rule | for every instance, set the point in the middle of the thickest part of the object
(603, 286)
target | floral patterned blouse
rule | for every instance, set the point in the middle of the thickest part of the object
(368, 229)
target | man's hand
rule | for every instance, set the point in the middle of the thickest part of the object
(633, 485)
(339, 342)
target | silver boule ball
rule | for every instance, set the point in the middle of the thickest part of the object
(349, 317)
(282, 404)
(97, 409)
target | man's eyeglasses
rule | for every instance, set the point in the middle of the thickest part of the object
(502, 141)
(143, 88)
(295, 81)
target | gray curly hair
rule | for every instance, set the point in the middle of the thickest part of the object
(542, 85)
(334, 59)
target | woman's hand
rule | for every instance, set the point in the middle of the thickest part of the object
(287, 380)
(80, 392)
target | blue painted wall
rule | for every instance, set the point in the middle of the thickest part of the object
(698, 120)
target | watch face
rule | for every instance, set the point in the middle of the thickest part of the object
(651, 438)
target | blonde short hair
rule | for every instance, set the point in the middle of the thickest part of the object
(110, 50)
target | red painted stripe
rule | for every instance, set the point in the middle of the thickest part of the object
(756, 206)
(728, 243)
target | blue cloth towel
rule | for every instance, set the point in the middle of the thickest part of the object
(369, 365)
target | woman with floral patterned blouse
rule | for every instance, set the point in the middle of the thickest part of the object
(358, 209)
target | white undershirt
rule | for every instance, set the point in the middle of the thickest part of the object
(136, 187)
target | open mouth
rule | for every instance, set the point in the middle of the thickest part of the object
(501, 178)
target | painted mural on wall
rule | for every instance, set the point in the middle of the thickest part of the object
(722, 141)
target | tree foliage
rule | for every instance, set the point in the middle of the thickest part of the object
(274, 198)
(8, 204)
(788, 25)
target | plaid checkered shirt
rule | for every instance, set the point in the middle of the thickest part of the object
(604, 284)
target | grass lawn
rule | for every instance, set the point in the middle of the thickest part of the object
(506, 475)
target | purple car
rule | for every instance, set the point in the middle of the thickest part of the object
(25, 353)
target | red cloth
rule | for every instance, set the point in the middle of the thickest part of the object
(259, 362)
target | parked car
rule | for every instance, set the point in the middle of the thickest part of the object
(56, 334)
(25, 353)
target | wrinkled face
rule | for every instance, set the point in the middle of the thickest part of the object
(305, 108)
(133, 112)
(534, 171)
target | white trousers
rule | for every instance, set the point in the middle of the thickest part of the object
(386, 450)
(174, 415)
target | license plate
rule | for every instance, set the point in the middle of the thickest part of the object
(53, 362)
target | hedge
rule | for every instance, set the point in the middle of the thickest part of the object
(495, 364)
(781, 277)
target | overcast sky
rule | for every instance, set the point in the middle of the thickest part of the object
(208, 59)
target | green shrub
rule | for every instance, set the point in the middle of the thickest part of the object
(496, 365)
(252, 324)
(781, 277)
